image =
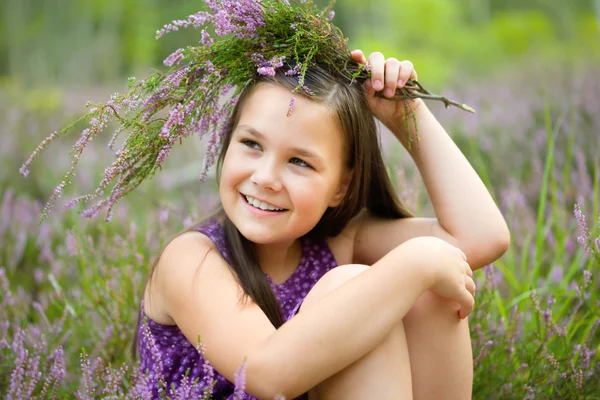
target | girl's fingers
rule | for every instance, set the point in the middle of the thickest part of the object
(392, 69)
(462, 254)
(467, 306)
(377, 63)
(358, 56)
(407, 71)
(468, 269)
(470, 285)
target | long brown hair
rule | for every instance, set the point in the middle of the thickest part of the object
(370, 185)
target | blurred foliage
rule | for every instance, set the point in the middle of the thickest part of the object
(73, 43)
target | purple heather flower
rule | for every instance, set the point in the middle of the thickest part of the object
(291, 106)
(579, 379)
(175, 125)
(586, 356)
(584, 234)
(308, 90)
(483, 351)
(163, 216)
(277, 62)
(174, 58)
(196, 20)
(176, 78)
(210, 68)
(569, 246)
(240, 18)
(206, 39)
(240, 382)
(557, 274)
(331, 15)
(546, 314)
(587, 278)
(24, 170)
(267, 71)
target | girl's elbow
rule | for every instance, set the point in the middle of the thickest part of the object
(486, 250)
(497, 241)
(501, 241)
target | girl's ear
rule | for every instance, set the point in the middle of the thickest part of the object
(342, 189)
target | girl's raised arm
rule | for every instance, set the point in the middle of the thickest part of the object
(202, 296)
(467, 216)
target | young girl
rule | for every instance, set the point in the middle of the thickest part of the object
(311, 270)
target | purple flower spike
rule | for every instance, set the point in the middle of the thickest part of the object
(584, 233)
(267, 71)
(292, 105)
(240, 382)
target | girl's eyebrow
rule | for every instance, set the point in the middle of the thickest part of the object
(297, 150)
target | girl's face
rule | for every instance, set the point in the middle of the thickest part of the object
(280, 173)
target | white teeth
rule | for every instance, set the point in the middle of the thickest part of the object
(261, 204)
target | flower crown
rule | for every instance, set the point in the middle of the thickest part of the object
(256, 37)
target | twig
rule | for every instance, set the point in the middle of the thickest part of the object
(413, 90)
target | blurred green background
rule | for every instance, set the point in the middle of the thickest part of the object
(70, 43)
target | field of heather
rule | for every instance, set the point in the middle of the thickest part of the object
(70, 287)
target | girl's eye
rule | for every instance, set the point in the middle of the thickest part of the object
(251, 143)
(300, 163)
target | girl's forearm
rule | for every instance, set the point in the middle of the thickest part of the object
(462, 203)
(347, 323)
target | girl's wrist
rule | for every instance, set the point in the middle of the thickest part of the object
(406, 126)
(407, 257)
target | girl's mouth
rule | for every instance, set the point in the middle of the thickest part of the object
(261, 205)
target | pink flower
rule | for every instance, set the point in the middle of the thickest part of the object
(268, 71)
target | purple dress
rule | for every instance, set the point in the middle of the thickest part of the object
(164, 350)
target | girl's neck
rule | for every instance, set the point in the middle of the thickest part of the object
(279, 261)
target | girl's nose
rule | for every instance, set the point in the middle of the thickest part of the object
(266, 176)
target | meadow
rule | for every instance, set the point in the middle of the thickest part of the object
(70, 287)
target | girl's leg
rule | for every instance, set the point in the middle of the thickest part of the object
(440, 350)
(438, 359)
(383, 373)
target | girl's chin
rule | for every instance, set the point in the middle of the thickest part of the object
(260, 237)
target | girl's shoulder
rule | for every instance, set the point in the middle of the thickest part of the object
(175, 260)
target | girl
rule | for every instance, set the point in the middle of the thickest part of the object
(311, 270)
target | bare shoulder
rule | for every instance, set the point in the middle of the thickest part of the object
(174, 264)
(201, 295)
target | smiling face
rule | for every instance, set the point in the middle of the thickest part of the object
(280, 173)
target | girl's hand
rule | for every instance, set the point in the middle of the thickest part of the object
(452, 277)
(386, 76)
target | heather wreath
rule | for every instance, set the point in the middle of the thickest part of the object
(238, 41)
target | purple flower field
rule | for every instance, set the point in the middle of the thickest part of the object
(70, 287)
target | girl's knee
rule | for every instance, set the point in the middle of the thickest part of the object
(332, 280)
(430, 304)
